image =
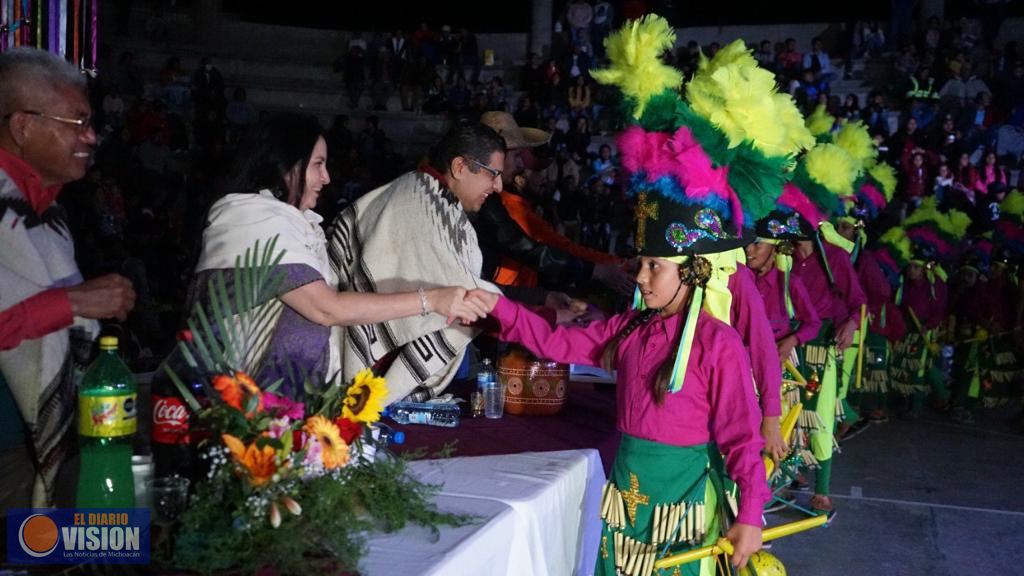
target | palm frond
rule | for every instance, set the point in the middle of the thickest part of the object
(232, 329)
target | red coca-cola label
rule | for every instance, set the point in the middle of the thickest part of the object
(170, 420)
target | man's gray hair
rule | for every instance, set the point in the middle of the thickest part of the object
(24, 72)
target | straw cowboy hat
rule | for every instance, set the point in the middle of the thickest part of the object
(515, 137)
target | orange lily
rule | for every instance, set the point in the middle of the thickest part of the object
(233, 389)
(258, 462)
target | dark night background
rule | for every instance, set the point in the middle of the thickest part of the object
(514, 16)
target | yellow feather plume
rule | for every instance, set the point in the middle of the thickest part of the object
(854, 138)
(833, 168)
(885, 175)
(927, 211)
(954, 223)
(636, 66)
(820, 122)
(1013, 204)
(741, 100)
(896, 238)
(959, 222)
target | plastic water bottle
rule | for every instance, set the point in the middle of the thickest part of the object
(107, 420)
(389, 436)
(446, 415)
(485, 379)
(490, 389)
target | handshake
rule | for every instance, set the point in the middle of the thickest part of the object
(469, 306)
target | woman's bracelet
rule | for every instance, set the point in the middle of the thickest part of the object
(423, 301)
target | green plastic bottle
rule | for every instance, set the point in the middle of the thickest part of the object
(107, 422)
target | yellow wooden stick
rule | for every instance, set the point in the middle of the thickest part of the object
(787, 431)
(788, 365)
(723, 546)
(860, 344)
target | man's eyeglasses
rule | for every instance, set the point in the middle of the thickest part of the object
(83, 124)
(494, 173)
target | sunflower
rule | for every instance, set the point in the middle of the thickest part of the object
(364, 399)
(334, 450)
(258, 462)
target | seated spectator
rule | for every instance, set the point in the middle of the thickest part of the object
(922, 96)
(496, 95)
(991, 177)
(765, 55)
(578, 63)
(946, 140)
(604, 165)
(809, 89)
(907, 62)
(976, 121)
(962, 88)
(579, 97)
(874, 39)
(818, 59)
(943, 183)
(851, 108)
(579, 141)
(436, 101)
(789, 59)
(526, 113)
(555, 94)
(579, 14)
(917, 174)
(875, 114)
(562, 166)
(965, 177)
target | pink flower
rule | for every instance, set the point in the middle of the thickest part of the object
(280, 426)
(283, 406)
(313, 453)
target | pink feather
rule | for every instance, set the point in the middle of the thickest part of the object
(682, 158)
(794, 199)
(931, 237)
(873, 195)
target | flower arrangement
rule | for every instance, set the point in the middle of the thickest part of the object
(292, 483)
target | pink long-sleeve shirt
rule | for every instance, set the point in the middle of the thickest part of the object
(837, 303)
(771, 286)
(716, 402)
(749, 318)
(929, 306)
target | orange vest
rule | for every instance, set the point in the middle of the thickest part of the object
(512, 273)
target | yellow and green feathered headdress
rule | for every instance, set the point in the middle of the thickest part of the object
(893, 253)
(826, 174)
(936, 235)
(728, 145)
(820, 123)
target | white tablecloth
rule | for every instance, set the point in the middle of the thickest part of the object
(538, 515)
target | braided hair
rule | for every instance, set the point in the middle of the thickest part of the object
(696, 271)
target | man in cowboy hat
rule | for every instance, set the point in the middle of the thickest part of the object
(521, 248)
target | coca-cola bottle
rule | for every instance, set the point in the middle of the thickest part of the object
(175, 434)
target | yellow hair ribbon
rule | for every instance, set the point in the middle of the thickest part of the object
(835, 238)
